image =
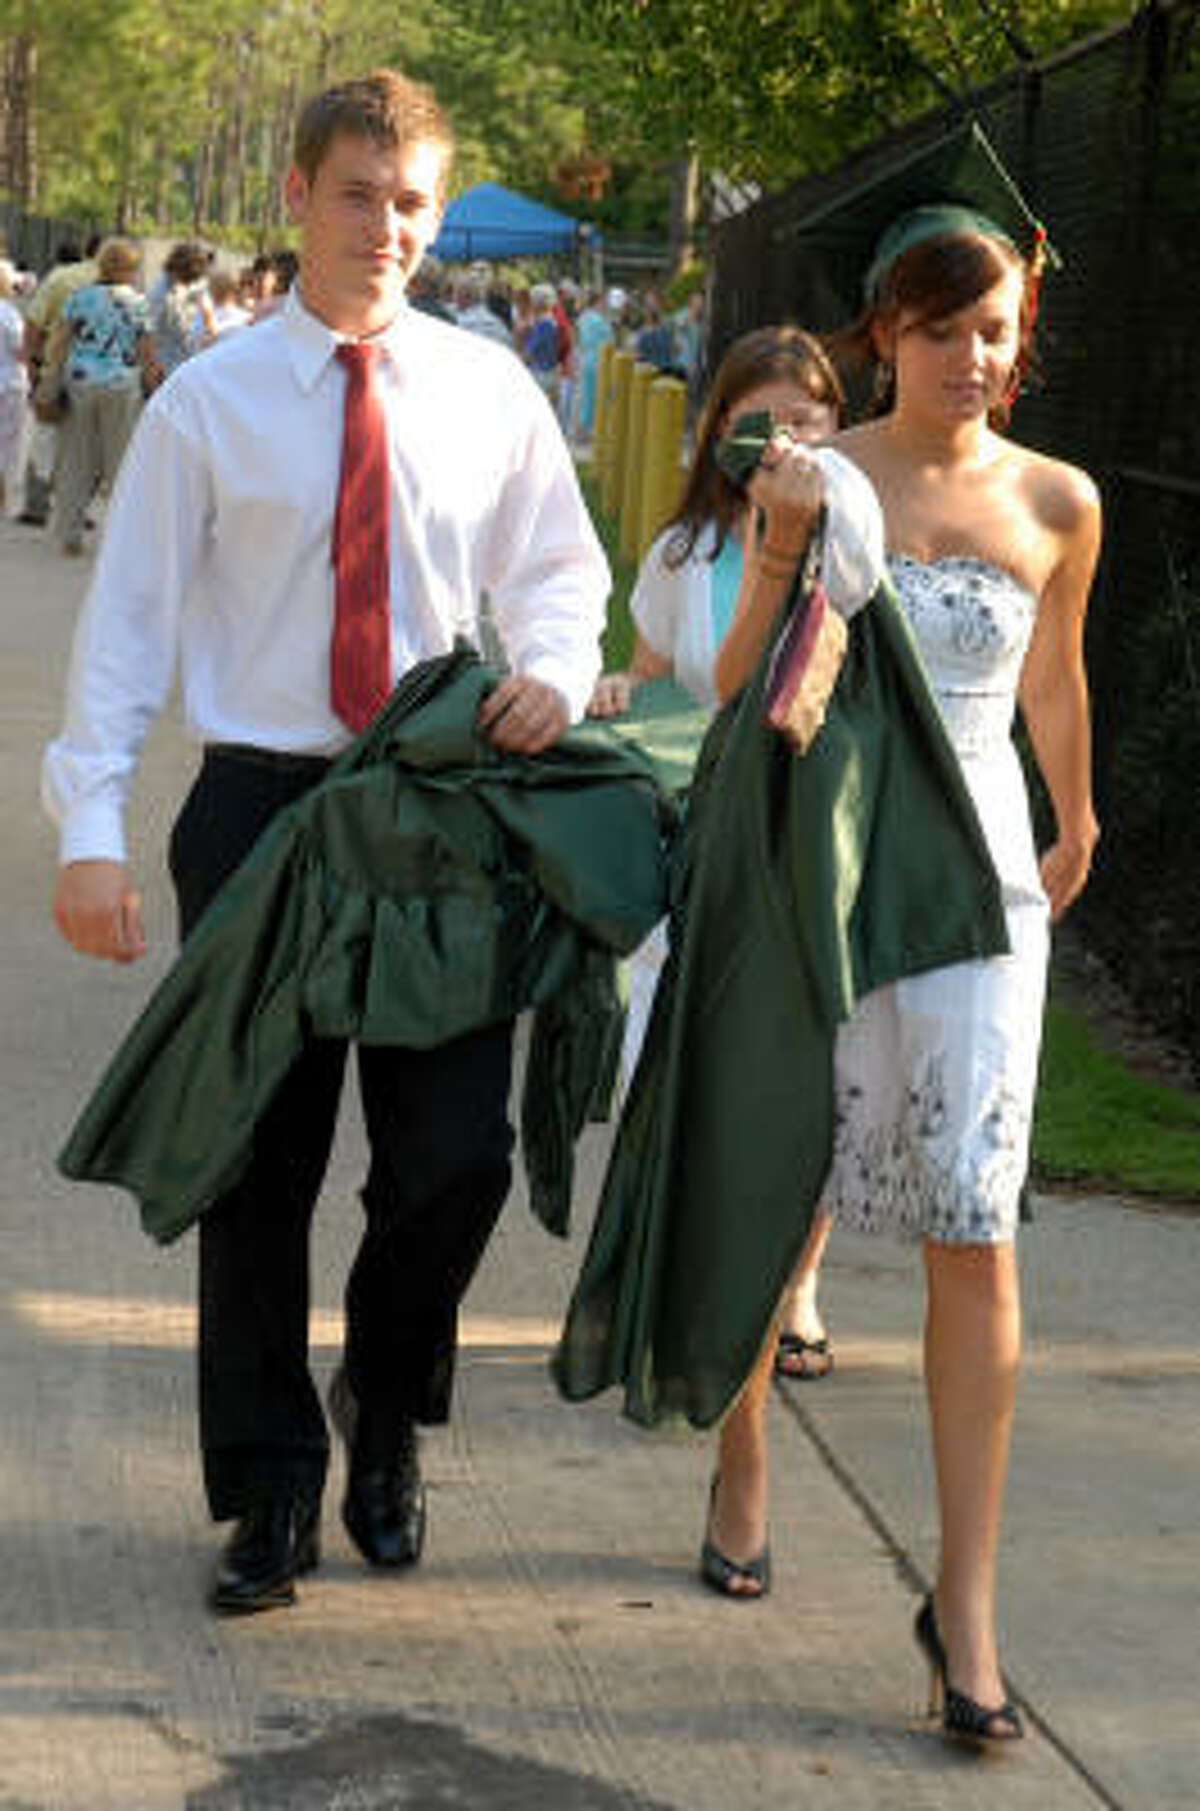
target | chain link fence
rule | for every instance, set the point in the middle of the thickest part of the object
(1106, 139)
(33, 239)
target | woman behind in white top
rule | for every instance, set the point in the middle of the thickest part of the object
(14, 393)
(682, 604)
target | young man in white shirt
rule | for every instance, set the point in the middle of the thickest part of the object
(217, 557)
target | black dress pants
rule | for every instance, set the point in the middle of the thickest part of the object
(440, 1150)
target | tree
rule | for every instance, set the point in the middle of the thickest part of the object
(182, 110)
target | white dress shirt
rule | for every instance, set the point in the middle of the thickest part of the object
(216, 554)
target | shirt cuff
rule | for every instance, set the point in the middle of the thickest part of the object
(92, 831)
(574, 688)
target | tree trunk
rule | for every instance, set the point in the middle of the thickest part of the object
(160, 184)
(20, 137)
(202, 183)
(123, 218)
(278, 150)
(685, 207)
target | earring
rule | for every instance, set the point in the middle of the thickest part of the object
(883, 384)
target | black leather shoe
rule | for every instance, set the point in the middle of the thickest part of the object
(384, 1505)
(274, 1543)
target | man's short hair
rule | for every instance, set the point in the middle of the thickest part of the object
(384, 106)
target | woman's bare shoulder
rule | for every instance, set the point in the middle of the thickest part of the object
(860, 438)
(861, 444)
(1064, 498)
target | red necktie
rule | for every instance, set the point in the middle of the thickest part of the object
(360, 652)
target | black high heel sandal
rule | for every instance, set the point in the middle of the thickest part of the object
(963, 1719)
(724, 1575)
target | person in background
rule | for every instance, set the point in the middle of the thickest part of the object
(594, 331)
(655, 341)
(566, 307)
(259, 286)
(426, 290)
(682, 606)
(498, 297)
(173, 308)
(14, 395)
(520, 313)
(540, 344)
(688, 327)
(472, 311)
(227, 312)
(107, 359)
(285, 263)
(72, 268)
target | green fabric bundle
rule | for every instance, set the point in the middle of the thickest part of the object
(427, 887)
(802, 884)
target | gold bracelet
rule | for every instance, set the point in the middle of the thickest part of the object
(773, 566)
(789, 556)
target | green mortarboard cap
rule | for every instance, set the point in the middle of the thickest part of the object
(958, 184)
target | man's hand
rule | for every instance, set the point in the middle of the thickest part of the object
(98, 911)
(523, 716)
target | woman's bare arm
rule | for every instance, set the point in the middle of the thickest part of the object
(1054, 697)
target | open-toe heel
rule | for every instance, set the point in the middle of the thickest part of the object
(964, 1719)
(732, 1577)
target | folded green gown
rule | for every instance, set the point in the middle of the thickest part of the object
(427, 887)
(802, 884)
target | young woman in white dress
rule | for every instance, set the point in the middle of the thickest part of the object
(992, 550)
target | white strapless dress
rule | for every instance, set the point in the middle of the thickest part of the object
(935, 1075)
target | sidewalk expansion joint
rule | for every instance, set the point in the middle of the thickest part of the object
(915, 1579)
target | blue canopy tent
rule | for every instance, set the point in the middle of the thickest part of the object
(492, 222)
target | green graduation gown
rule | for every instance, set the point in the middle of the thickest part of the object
(802, 884)
(428, 886)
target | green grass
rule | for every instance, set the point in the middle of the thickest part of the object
(618, 636)
(1098, 1123)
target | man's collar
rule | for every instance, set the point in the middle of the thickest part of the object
(311, 343)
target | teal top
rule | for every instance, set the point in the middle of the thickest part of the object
(723, 588)
(107, 322)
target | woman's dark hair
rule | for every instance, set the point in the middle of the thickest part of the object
(186, 262)
(768, 355)
(286, 266)
(931, 281)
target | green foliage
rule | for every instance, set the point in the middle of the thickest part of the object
(183, 108)
(690, 279)
(777, 88)
(1097, 1123)
(618, 634)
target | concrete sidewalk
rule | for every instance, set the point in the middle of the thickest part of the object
(554, 1652)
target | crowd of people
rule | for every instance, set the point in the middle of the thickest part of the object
(559, 327)
(309, 517)
(82, 348)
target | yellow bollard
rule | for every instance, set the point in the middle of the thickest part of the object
(635, 454)
(602, 416)
(662, 475)
(614, 469)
